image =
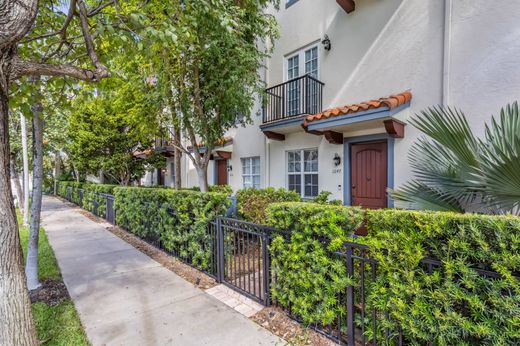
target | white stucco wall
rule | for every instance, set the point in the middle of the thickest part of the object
(385, 47)
(485, 51)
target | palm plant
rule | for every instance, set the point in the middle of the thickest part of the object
(456, 171)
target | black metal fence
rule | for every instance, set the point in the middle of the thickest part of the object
(107, 212)
(236, 253)
(301, 95)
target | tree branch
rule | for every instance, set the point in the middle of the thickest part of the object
(63, 30)
(100, 8)
(30, 68)
(88, 38)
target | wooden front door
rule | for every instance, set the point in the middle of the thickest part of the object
(369, 174)
(222, 173)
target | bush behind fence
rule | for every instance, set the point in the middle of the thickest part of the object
(468, 294)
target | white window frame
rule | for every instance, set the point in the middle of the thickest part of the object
(301, 60)
(244, 161)
(302, 172)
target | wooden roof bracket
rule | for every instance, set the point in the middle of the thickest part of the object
(394, 128)
(274, 135)
(348, 5)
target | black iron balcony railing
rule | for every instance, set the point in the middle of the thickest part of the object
(301, 95)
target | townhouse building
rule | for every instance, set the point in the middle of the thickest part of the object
(343, 82)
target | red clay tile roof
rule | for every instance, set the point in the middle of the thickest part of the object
(392, 101)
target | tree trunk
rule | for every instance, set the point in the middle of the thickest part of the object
(177, 159)
(57, 170)
(16, 326)
(203, 179)
(25, 171)
(16, 179)
(31, 266)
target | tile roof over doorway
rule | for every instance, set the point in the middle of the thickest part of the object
(390, 102)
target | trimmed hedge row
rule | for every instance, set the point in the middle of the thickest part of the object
(452, 305)
(309, 277)
(90, 194)
(178, 218)
(252, 203)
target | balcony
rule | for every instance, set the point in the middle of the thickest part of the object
(289, 100)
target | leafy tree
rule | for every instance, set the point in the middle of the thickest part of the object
(108, 127)
(69, 40)
(209, 76)
(454, 170)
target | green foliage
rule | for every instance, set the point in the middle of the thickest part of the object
(455, 305)
(91, 194)
(178, 218)
(214, 188)
(309, 276)
(63, 187)
(456, 171)
(252, 203)
(323, 198)
(205, 56)
(109, 125)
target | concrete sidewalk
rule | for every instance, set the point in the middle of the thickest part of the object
(125, 298)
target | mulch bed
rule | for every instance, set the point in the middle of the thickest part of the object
(91, 216)
(52, 293)
(279, 323)
(188, 273)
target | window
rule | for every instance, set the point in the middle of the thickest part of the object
(302, 172)
(306, 61)
(251, 172)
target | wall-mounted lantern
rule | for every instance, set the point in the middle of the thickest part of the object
(229, 168)
(326, 42)
(337, 160)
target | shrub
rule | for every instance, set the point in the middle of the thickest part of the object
(453, 305)
(323, 198)
(92, 193)
(213, 188)
(63, 187)
(309, 276)
(252, 203)
(178, 218)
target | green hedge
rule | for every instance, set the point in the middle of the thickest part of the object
(252, 203)
(309, 276)
(62, 189)
(184, 230)
(90, 194)
(453, 305)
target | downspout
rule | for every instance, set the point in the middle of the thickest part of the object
(266, 140)
(446, 53)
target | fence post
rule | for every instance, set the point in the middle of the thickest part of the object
(350, 297)
(220, 250)
(266, 266)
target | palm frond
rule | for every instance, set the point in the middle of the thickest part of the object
(438, 167)
(421, 196)
(450, 128)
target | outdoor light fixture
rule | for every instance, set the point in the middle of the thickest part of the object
(326, 42)
(229, 168)
(337, 160)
